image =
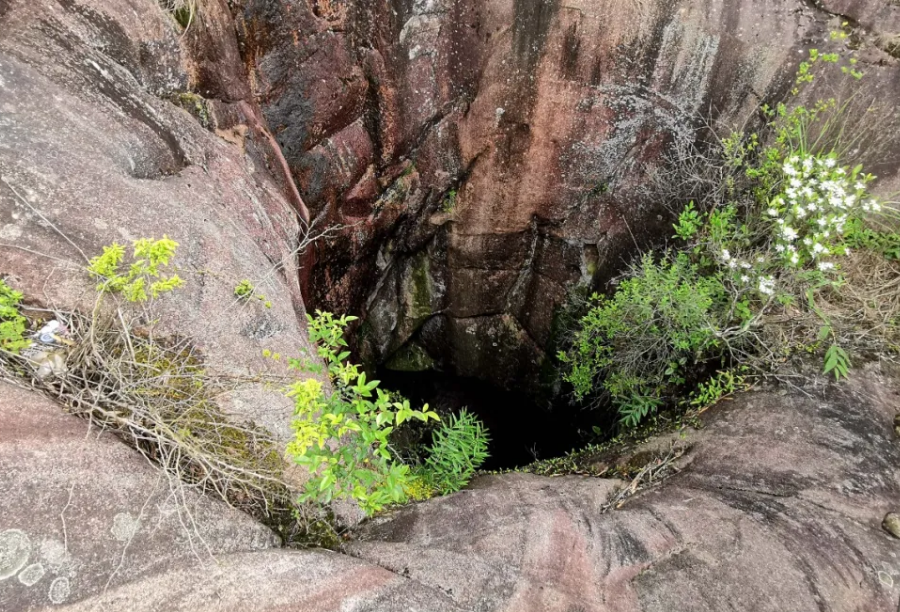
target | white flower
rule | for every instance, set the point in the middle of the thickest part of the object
(772, 212)
(779, 248)
(745, 278)
(767, 285)
(825, 265)
(732, 264)
(807, 241)
(822, 222)
(830, 163)
(795, 259)
(860, 186)
(726, 255)
(796, 183)
(807, 164)
(789, 233)
(818, 248)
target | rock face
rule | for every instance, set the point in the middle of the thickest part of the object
(484, 155)
(96, 147)
(87, 524)
(487, 155)
(778, 506)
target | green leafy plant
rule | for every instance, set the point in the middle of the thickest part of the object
(245, 289)
(458, 449)
(342, 438)
(689, 223)
(781, 212)
(449, 203)
(142, 275)
(720, 386)
(860, 235)
(12, 323)
(837, 362)
(639, 344)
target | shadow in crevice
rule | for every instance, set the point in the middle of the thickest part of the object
(521, 431)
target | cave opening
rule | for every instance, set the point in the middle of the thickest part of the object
(522, 429)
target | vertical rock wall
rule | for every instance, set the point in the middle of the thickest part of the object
(486, 156)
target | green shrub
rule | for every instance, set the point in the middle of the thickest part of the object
(143, 274)
(641, 341)
(458, 449)
(343, 439)
(754, 267)
(12, 323)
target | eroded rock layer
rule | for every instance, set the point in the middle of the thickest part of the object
(486, 156)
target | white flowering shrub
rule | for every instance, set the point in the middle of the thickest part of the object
(810, 216)
(767, 251)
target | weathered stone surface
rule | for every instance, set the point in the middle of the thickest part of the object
(87, 522)
(779, 499)
(778, 506)
(276, 581)
(93, 513)
(92, 151)
(536, 122)
(485, 155)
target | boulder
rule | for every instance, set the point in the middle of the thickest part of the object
(83, 513)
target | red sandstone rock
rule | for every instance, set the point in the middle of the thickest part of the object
(543, 117)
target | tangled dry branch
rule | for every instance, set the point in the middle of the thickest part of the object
(157, 395)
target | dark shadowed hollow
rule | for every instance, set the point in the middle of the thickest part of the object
(521, 429)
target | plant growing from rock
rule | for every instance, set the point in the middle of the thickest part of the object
(12, 323)
(244, 290)
(142, 275)
(457, 450)
(158, 395)
(343, 438)
(757, 274)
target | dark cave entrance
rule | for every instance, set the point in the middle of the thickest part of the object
(521, 429)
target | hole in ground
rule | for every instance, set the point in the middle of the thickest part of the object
(521, 431)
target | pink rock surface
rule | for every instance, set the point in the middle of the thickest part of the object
(540, 120)
(777, 507)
